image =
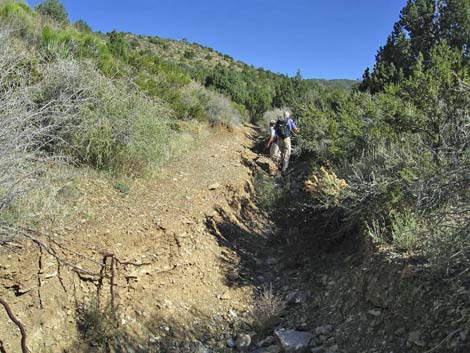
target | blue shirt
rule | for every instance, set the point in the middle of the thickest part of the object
(291, 124)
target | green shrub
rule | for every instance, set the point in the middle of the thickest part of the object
(19, 17)
(271, 194)
(189, 54)
(53, 9)
(82, 26)
(12, 9)
(96, 326)
(402, 232)
(405, 231)
(117, 44)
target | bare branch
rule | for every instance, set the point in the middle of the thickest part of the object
(24, 347)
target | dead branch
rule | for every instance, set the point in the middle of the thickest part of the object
(39, 278)
(67, 263)
(24, 347)
(111, 284)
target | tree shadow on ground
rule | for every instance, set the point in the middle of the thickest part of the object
(159, 334)
(246, 235)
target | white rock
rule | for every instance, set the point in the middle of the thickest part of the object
(243, 341)
(294, 341)
(213, 186)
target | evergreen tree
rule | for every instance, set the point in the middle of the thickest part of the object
(53, 9)
(423, 24)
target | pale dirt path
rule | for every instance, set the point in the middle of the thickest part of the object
(195, 240)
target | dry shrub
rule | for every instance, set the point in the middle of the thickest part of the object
(100, 122)
(267, 310)
(65, 111)
(325, 187)
(208, 105)
(220, 110)
(273, 115)
(21, 127)
(95, 325)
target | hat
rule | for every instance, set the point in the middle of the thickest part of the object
(286, 114)
(272, 122)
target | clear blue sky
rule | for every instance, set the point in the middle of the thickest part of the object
(322, 38)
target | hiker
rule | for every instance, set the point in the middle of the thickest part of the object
(284, 127)
(274, 151)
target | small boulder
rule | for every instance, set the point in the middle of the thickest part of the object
(293, 341)
(243, 341)
(266, 164)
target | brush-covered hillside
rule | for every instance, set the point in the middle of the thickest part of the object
(116, 103)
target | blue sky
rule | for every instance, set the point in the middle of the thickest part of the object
(324, 39)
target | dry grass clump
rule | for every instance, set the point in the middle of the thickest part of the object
(267, 310)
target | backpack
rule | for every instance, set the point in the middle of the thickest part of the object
(282, 128)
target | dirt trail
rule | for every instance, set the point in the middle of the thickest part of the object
(173, 257)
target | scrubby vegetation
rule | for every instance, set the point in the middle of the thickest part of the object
(403, 147)
(400, 145)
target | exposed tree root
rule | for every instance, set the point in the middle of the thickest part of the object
(107, 272)
(24, 347)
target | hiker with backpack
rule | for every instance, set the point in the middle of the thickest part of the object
(272, 145)
(284, 127)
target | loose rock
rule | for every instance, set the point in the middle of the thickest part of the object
(273, 349)
(243, 341)
(293, 341)
(318, 350)
(198, 347)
